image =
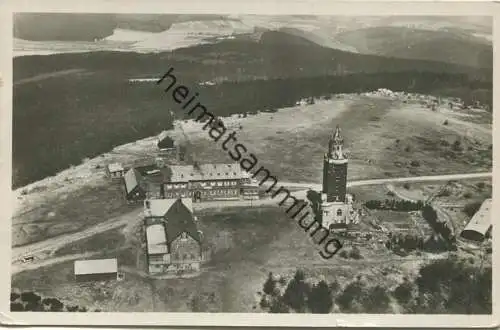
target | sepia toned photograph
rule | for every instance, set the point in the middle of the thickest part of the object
(267, 164)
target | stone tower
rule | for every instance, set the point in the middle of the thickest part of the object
(336, 206)
(335, 169)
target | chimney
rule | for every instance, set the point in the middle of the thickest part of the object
(160, 163)
(147, 206)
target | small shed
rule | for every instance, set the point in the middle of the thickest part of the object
(115, 170)
(96, 270)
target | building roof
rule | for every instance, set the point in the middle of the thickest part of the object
(481, 220)
(132, 178)
(185, 173)
(160, 207)
(156, 239)
(180, 219)
(115, 167)
(96, 266)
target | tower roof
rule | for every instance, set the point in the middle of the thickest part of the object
(337, 136)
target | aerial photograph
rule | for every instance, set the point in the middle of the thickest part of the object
(252, 163)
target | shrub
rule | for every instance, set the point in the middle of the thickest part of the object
(30, 297)
(296, 293)
(406, 186)
(269, 285)
(457, 145)
(415, 163)
(403, 293)
(444, 193)
(355, 253)
(351, 296)
(16, 307)
(481, 185)
(14, 296)
(72, 308)
(445, 122)
(320, 298)
(278, 306)
(471, 208)
(377, 300)
(264, 303)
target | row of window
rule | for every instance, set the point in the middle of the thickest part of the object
(216, 192)
(185, 256)
(339, 212)
(219, 183)
(176, 185)
(203, 184)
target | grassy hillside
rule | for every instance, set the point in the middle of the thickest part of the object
(83, 105)
(454, 46)
(276, 55)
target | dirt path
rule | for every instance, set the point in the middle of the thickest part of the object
(44, 76)
(17, 268)
(134, 216)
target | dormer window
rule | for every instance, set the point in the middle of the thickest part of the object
(339, 212)
(184, 236)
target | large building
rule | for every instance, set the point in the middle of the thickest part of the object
(203, 182)
(479, 226)
(173, 240)
(336, 205)
(209, 182)
(96, 270)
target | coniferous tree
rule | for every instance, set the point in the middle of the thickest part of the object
(269, 285)
(296, 292)
(320, 298)
(377, 300)
(278, 306)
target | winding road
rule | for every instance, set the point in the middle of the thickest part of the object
(52, 244)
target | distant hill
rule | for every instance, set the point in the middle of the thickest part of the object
(320, 38)
(451, 46)
(88, 27)
(63, 27)
(90, 107)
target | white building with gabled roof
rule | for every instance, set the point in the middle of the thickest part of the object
(96, 269)
(115, 170)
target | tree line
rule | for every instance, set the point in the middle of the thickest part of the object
(114, 112)
(440, 227)
(430, 292)
(394, 205)
(29, 301)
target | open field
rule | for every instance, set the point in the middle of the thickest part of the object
(246, 246)
(379, 145)
(455, 195)
(382, 136)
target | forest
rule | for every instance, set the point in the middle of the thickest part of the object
(81, 114)
(450, 286)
